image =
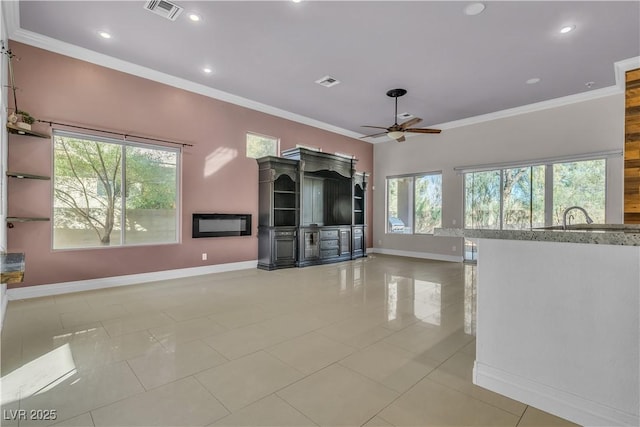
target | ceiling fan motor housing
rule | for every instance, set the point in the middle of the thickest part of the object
(394, 93)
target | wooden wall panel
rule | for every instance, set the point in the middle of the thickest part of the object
(632, 148)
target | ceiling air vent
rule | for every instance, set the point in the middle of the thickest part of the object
(166, 9)
(405, 116)
(327, 81)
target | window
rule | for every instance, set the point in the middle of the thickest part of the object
(261, 145)
(533, 196)
(509, 199)
(113, 193)
(414, 203)
(582, 184)
(482, 200)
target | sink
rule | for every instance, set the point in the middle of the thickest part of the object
(620, 228)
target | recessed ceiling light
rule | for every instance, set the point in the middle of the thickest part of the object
(296, 1)
(474, 9)
(533, 81)
(207, 70)
(567, 29)
(104, 35)
(194, 17)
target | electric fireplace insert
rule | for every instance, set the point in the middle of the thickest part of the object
(220, 225)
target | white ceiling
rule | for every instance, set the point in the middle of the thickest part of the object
(454, 66)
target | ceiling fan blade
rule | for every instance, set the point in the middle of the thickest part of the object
(410, 122)
(374, 135)
(401, 139)
(418, 130)
(375, 127)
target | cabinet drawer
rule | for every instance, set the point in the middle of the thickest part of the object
(329, 244)
(328, 253)
(284, 233)
(329, 234)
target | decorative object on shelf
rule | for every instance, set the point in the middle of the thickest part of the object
(25, 120)
(18, 118)
(12, 119)
(19, 121)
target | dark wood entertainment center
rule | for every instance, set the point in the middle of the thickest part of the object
(312, 209)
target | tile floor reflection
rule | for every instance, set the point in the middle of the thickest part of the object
(380, 341)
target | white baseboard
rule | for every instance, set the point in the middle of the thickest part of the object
(5, 300)
(411, 254)
(561, 403)
(131, 279)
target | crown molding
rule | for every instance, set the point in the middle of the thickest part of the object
(37, 40)
(621, 67)
(516, 111)
(10, 16)
(18, 34)
(530, 108)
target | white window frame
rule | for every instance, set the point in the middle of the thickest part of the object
(413, 202)
(122, 143)
(260, 135)
(548, 163)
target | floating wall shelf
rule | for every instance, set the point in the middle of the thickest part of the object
(21, 175)
(12, 219)
(20, 131)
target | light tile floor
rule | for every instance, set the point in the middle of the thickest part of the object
(380, 341)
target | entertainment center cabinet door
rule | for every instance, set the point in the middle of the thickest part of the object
(358, 242)
(284, 248)
(311, 245)
(345, 242)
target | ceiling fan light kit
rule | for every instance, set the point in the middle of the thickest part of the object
(395, 134)
(397, 131)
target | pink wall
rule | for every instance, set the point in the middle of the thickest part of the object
(59, 88)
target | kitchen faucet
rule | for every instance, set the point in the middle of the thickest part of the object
(566, 211)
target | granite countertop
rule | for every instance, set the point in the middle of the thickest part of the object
(599, 234)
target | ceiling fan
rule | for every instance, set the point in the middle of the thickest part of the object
(397, 131)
